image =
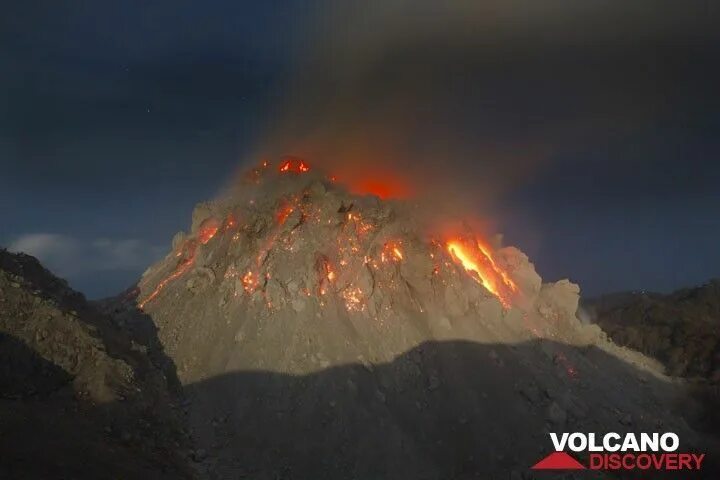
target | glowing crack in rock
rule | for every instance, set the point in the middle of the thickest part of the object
(391, 252)
(482, 267)
(327, 275)
(207, 231)
(206, 234)
(284, 212)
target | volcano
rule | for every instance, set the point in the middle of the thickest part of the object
(320, 333)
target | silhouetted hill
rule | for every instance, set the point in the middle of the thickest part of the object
(681, 329)
(78, 398)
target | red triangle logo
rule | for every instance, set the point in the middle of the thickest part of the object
(558, 461)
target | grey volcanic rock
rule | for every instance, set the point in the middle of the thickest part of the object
(78, 398)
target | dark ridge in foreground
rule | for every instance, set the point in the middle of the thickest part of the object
(78, 398)
(443, 410)
(81, 399)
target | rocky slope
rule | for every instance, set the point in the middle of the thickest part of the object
(78, 397)
(681, 329)
(320, 334)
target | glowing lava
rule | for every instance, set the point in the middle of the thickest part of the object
(482, 267)
(293, 165)
(284, 212)
(353, 299)
(207, 231)
(391, 251)
(250, 282)
(326, 274)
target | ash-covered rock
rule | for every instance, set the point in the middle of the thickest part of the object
(78, 398)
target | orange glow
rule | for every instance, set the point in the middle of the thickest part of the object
(294, 165)
(207, 230)
(326, 274)
(182, 267)
(353, 299)
(230, 221)
(250, 282)
(384, 188)
(506, 278)
(283, 213)
(331, 275)
(482, 267)
(391, 251)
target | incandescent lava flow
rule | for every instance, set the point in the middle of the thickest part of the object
(478, 260)
(206, 232)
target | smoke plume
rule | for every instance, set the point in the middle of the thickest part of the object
(463, 101)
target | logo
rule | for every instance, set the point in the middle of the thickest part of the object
(614, 451)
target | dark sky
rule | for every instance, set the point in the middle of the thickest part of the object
(590, 134)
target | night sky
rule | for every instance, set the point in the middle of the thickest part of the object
(590, 134)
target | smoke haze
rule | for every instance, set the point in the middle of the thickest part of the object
(472, 97)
